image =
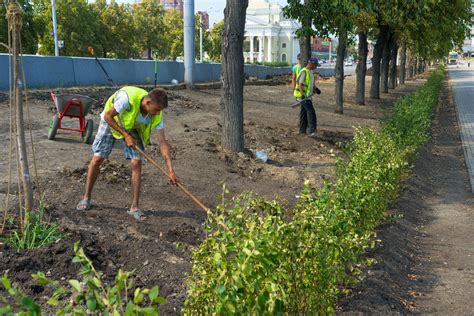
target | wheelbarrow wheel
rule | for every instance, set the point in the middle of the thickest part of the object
(53, 127)
(88, 133)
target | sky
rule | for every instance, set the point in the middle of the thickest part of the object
(214, 7)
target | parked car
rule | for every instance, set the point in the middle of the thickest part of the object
(349, 63)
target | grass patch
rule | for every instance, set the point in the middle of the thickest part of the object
(33, 231)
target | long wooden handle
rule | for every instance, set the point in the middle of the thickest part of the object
(182, 187)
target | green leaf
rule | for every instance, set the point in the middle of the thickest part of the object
(152, 311)
(4, 310)
(129, 311)
(91, 304)
(76, 285)
(6, 282)
(52, 301)
(29, 304)
(153, 293)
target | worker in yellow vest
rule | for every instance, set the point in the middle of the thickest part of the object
(130, 115)
(303, 92)
(295, 71)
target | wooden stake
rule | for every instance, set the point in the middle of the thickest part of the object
(15, 24)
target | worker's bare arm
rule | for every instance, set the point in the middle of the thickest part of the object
(166, 153)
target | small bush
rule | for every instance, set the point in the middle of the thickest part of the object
(272, 64)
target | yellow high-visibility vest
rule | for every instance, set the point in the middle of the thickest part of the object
(127, 119)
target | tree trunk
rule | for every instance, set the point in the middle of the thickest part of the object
(305, 41)
(361, 69)
(341, 53)
(375, 84)
(385, 63)
(232, 101)
(392, 80)
(149, 53)
(403, 63)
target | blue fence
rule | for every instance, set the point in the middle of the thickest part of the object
(53, 72)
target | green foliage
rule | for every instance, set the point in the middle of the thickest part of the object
(260, 259)
(34, 232)
(29, 29)
(214, 44)
(90, 295)
(18, 304)
(274, 63)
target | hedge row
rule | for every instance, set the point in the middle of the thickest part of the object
(261, 258)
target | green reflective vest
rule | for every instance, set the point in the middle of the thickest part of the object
(306, 85)
(127, 119)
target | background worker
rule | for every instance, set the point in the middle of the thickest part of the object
(295, 71)
(303, 91)
(130, 115)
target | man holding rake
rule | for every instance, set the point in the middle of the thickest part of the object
(130, 115)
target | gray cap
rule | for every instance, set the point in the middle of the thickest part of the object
(313, 60)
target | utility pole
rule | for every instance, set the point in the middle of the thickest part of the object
(200, 37)
(189, 55)
(14, 26)
(55, 28)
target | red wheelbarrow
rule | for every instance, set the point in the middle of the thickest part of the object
(72, 106)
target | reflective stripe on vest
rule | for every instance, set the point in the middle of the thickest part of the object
(306, 85)
(127, 119)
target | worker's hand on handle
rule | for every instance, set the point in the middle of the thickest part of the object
(173, 178)
(129, 140)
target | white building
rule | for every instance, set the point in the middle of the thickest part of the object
(269, 36)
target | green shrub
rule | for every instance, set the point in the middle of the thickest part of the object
(260, 259)
(272, 63)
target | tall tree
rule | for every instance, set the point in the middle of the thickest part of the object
(214, 45)
(233, 78)
(172, 45)
(328, 17)
(78, 26)
(376, 61)
(148, 18)
(392, 74)
(364, 22)
(341, 53)
(29, 30)
(118, 30)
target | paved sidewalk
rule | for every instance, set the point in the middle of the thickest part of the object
(462, 83)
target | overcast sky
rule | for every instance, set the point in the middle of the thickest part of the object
(216, 11)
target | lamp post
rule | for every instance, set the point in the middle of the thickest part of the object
(55, 28)
(189, 54)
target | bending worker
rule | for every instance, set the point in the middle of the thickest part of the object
(130, 115)
(303, 92)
